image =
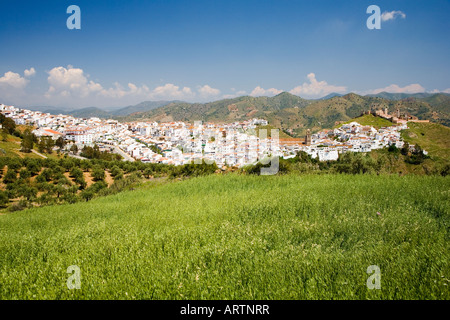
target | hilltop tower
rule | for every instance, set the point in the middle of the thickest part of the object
(308, 137)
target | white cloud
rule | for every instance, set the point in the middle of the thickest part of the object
(14, 80)
(70, 81)
(316, 88)
(208, 92)
(71, 86)
(439, 91)
(119, 92)
(12, 86)
(258, 91)
(30, 72)
(73, 83)
(386, 16)
(393, 88)
(170, 91)
(234, 95)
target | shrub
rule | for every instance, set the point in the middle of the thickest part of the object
(87, 194)
(24, 174)
(4, 199)
(116, 171)
(76, 173)
(98, 173)
(21, 205)
(393, 148)
(10, 176)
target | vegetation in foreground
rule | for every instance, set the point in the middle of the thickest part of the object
(237, 237)
(29, 182)
(32, 182)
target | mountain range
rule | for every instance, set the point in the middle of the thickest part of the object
(400, 96)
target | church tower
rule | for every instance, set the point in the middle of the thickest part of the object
(308, 137)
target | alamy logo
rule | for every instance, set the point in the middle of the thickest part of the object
(74, 21)
(274, 161)
(248, 149)
(374, 281)
(74, 281)
(374, 21)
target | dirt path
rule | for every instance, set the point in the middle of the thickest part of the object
(108, 178)
(88, 178)
(39, 154)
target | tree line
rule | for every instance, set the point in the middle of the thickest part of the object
(384, 161)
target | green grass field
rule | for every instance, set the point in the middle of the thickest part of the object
(237, 237)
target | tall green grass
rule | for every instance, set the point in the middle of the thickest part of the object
(237, 237)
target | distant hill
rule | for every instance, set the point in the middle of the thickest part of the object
(79, 113)
(400, 96)
(435, 107)
(102, 113)
(440, 101)
(227, 110)
(290, 112)
(90, 112)
(141, 107)
(331, 95)
(48, 109)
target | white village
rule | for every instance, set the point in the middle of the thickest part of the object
(177, 143)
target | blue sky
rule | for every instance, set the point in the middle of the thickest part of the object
(197, 50)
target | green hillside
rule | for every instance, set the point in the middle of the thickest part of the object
(141, 107)
(89, 113)
(370, 120)
(11, 148)
(441, 102)
(432, 137)
(228, 110)
(237, 237)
